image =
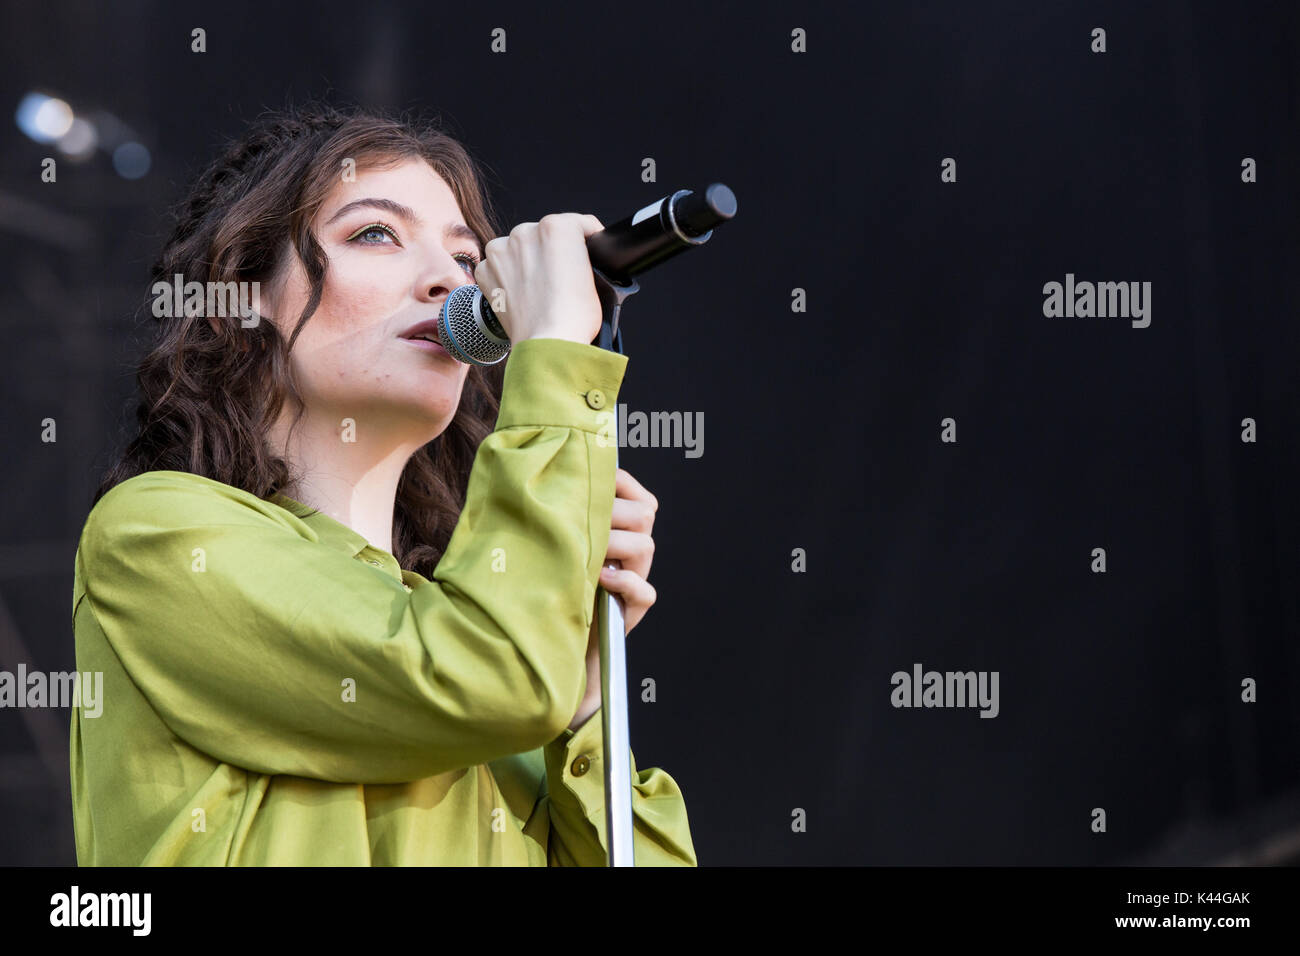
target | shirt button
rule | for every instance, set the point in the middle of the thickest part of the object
(372, 561)
(580, 766)
(596, 398)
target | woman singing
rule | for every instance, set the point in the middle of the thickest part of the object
(341, 587)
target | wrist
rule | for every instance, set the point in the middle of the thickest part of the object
(591, 697)
(556, 334)
(584, 713)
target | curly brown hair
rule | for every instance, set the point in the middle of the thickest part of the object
(209, 389)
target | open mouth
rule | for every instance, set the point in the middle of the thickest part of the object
(428, 343)
(427, 330)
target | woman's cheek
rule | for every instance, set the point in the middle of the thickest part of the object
(359, 308)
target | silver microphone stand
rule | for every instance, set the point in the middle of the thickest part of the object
(609, 619)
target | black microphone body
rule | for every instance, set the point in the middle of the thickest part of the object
(468, 329)
(659, 231)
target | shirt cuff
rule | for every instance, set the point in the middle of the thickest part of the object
(575, 768)
(560, 382)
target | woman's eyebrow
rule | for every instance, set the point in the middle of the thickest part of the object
(450, 231)
(458, 231)
(396, 208)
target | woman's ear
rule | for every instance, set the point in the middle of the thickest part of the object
(266, 296)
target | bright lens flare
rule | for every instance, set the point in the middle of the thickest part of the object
(44, 118)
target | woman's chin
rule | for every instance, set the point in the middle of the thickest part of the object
(433, 418)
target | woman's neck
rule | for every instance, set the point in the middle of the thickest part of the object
(347, 473)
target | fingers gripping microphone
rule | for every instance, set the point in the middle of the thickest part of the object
(470, 331)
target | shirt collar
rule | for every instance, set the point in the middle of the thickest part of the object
(335, 534)
(331, 532)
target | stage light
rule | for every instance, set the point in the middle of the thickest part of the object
(48, 119)
(44, 118)
(80, 139)
(131, 160)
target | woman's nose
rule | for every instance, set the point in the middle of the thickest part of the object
(444, 277)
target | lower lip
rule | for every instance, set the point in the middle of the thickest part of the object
(428, 346)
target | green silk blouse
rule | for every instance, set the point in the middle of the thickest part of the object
(277, 691)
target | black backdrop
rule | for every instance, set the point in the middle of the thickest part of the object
(1119, 690)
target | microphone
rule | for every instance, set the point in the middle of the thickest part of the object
(470, 331)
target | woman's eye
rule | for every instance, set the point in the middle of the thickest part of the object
(379, 229)
(468, 260)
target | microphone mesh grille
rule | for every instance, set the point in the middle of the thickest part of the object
(461, 329)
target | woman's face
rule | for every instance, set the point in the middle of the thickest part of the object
(397, 246)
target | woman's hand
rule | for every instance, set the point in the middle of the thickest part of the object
(544, 273)
(632, 548)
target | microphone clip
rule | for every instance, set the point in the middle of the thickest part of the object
(611, 295)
